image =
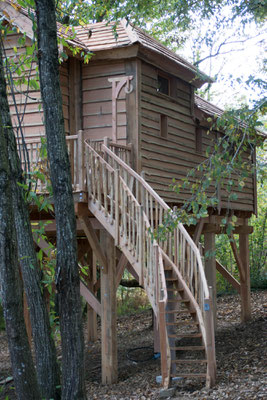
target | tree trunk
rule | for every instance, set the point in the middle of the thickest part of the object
(67, 276)
(11, 290)
(46, 361)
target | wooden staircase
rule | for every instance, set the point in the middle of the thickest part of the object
(170, 270)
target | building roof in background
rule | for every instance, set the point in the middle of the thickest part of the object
(207, 107)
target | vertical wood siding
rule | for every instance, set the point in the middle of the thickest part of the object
(97, 101)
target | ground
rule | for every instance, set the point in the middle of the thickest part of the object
(240, 351)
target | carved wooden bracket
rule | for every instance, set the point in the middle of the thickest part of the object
(117, 84)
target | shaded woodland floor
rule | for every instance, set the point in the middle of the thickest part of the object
(241, 359)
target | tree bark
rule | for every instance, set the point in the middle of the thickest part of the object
(67, 276)
(11, 290)
(46, 361)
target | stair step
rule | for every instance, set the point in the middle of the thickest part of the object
(185, 375)
(180, 311)
(188, 348)
(178, 301)
(184, 335)
(171, 279)
(182, 323)
(187, 361)
(175, 289)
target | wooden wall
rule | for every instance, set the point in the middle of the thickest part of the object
(27, 100)
(165, 158)
(97, 101)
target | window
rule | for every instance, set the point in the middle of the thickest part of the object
(163, 126)
(163, 85)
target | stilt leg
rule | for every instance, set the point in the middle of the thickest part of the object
(245, 283)
(109, 312)
(91, 314)
(210, 270)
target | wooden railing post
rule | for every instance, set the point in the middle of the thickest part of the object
(106, 143)
(210, 340)
(164, 348)
(117, 208)
(81, 162)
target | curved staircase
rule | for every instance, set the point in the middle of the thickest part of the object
(170, 270)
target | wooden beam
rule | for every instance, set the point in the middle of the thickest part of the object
(216, 228)
(226, 274)
(93, 240)
(120, 268)
(198, 231)
(133, 272)
(90, 298)
(245, 280)
(210, 270)
(42, 244)
(109, 312)
(237, 257)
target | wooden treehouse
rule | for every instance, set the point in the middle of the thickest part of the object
(133, 123)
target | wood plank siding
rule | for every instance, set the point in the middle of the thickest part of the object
(172, 155)
(25, 101)
(97, 101)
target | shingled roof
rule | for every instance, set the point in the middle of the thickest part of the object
(102, 36)
(18, 16)
(207, 107)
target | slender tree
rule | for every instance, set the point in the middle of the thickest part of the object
(11, 289)
(67, 276)
(46, 361)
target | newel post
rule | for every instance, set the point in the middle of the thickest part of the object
(81, 161)
(210, 339)
(141, 245)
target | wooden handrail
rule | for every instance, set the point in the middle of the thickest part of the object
(162, 203)
(136, 209)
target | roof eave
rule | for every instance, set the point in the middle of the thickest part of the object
(194, 77)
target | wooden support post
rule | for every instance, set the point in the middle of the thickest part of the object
(91, 314)
(109, 312)
(156, 334)
(210, 269)
(210, 340)
(245, 279)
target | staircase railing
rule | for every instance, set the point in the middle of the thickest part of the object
(31, 161)
(135, 210)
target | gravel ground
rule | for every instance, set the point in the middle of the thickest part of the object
(240, 351)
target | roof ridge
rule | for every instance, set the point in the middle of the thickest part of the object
(133, 37)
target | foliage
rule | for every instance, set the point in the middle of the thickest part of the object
(131, 300)
(257, 241)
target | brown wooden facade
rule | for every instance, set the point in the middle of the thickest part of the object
(139, 95)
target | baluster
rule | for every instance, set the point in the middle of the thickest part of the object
(99, 183)
(89, 179)
(151, 213)
(147, 206)
(104, 177)
(156, 215)
(112, 185)
(124, 213)
(93, 182)
(129, 207)
(133, 226)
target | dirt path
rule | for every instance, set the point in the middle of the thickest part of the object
(241, 359)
